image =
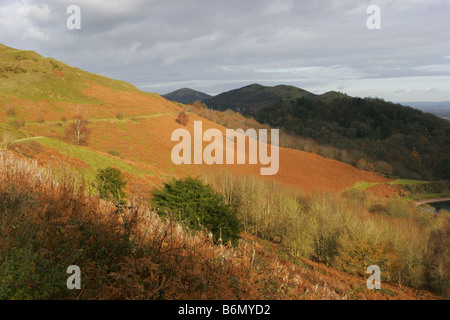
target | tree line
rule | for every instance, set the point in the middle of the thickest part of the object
(374, 134)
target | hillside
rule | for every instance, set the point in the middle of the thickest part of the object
(369, 133)
(414, 144)
(254, 97)
(300, 230)
(43, 102)
(47, 224)
(186, 96)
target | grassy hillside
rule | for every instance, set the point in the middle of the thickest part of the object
(133, 125)
(28, 75)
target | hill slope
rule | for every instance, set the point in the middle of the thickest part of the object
(28, 75)
(131, 130)
(414, 144)
(47, 226)
(131, 126)
(186, 96)
(382, 136)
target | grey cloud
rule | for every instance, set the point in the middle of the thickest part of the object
(215, 46)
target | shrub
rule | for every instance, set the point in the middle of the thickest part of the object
(8, 140)
(182, 118)
(397, 209)
(361, 164)
(198, 205)
(17, 123)
(119, 115)
(110, 184)
(383, 167)
(114, 153)
(11, 113)
(264, 209)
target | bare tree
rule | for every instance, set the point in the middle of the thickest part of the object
(78, 131)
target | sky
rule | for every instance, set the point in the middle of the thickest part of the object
(215, 45)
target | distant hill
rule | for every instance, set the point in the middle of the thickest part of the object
(331, 95)
(186, 96)
(400, 140)
(254, 97)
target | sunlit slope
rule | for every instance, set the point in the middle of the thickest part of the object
(132, 125)
(28, 75)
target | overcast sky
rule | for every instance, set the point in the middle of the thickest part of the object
(219, 45)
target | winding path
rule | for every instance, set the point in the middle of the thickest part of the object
(27, 139)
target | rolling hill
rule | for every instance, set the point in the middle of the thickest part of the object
(186, 96)
(306, 235)
(383, 136)
(254, 97)
(45, 94)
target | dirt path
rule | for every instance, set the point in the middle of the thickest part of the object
(28, 139)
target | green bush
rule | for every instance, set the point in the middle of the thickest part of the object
(198, 205)
(110, 184)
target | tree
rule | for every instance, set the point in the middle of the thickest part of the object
(183, 118)
(110, 184)
(442, 169)
(361, 164)
(199, 206)
(383, 167)
(78, 131)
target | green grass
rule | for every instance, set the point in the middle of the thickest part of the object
(366, 185)
(362, 186)
(112, 119)
(28, 75)
(94, 159)
(407, 182)
(6, 128)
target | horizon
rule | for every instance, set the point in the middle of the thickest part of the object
(439, 103)
(318, 46)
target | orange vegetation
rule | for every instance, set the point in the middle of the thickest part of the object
(181, 265)
(146, 139)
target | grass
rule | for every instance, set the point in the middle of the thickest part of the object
(28, 75)
(366, 185)
(407, 182)
(109, 119)
(94, 159)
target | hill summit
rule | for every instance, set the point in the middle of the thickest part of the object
(255, 96)
(186, 96)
